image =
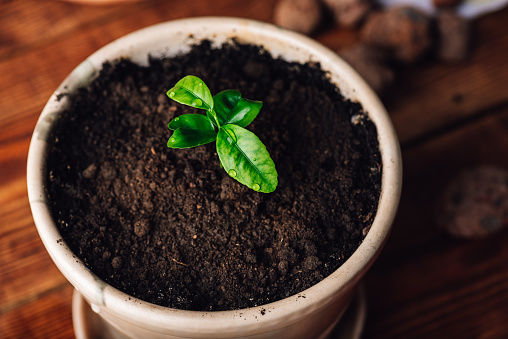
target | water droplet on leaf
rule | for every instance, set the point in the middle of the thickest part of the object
(256, 187)
(200, 84)
(176, 119)
(171, 94)
(196, 102)
(232, 173)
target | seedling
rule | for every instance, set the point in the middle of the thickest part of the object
(241, 153)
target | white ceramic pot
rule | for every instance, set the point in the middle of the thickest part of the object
(311, 316)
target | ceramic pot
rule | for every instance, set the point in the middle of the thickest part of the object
(311, 316)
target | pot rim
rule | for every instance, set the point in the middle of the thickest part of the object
(294, 307)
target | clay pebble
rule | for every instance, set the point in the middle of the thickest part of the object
(403, 30)
(348, 13)
(301, 16)
(475, 203)
(454, 36)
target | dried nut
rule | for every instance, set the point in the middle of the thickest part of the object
(299, 15)
(404, 30)
(349, 13)
(475, 204)
(369, 62)
(446, 3)
(454, 37)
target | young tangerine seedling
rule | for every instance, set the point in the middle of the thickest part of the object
(241, 153)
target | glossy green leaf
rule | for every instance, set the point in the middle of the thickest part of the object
(186, 138)
(191, 130)
(245, 158)
(192, 121)
(231, 108)
(192, 91)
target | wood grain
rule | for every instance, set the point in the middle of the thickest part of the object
(435, 95)
(49, 317)
(429, 283)
(448, 117)
(26, 269)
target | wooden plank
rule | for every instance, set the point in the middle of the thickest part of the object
(430, 293)
(48, 317)
(425, 283)
(337, 38)
(26, 270)
(434, 95)
(31, 23)
(13, 157)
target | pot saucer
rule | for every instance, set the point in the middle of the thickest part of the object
(88, 324)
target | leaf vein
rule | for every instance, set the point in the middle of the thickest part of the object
(245, 155)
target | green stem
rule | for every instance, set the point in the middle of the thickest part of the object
(214, 115)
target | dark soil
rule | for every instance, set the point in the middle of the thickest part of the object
(169, 226)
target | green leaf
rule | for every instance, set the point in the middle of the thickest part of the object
(191, 121)
(192, 91)
(186, 138)
(245, 158)
(231, 108)
(191, 130)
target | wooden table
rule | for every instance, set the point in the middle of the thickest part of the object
(448, 118)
